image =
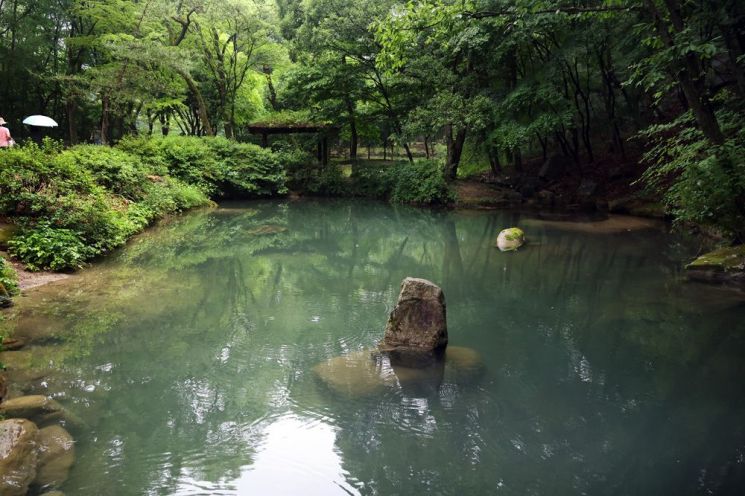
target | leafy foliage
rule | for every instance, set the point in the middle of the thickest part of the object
(420, 183)
(702, 183)
(42, 246)
(218, 166)
(8, 277)
(78, 203)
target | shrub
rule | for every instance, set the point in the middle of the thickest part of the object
(45, 247)
(77, 203)
(247, 170)
(184, 157)
(420, 183)
(218, 166)
(8, 277)
(373, 180)
(119, 172)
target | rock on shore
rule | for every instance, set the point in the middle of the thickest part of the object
(725, 265)
(18, 456)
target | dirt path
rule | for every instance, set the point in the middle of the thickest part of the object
(476, 194)
(28, 280)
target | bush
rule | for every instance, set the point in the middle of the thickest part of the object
(8, 277)
(419, 183)
(373, 180)
(246, 170)
(218, 166)
(77, 203)
(119, 172)
(44, 247)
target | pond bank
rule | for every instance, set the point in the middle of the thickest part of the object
(29, 280)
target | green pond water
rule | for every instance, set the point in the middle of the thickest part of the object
(191, 357)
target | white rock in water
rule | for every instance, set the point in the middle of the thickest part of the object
(510, 239)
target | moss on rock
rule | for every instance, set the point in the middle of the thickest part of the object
(721, 260)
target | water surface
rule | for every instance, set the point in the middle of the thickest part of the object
(190, 355)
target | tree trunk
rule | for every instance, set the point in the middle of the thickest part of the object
(455, 149)
(352, 129)
(690, 68)
(105, 119)
(496, 167)
(267, 70)
(72, 120)
(201, 105)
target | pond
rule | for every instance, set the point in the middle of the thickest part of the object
(190, 356)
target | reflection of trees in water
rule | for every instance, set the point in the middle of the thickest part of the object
(594, 353)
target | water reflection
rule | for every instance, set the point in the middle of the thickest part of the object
(296, 456)
(602, 373)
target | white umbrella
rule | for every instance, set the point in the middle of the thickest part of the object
(39, 121)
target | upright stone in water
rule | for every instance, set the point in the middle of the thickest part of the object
(17, 456)
(418, 323)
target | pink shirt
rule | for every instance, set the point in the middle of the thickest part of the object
(4, 137)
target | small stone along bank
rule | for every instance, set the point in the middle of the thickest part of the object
(36, 450)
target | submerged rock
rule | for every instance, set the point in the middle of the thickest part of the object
(18, 456)
(37, 408)
(56, 455)
(417, 327)
(367, 372)
(510, 239)
(267, 229)
(359, 373)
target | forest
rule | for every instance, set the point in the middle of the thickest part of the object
(447, 89)
(230, 231)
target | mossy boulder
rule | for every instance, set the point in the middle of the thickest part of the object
(18, 456)
(725, 265)
(510, 239)
(37, 408)
(56, 449)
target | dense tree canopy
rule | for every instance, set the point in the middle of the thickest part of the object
(509, 80)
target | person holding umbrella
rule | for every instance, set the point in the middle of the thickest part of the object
(38, 124)
(6, 140)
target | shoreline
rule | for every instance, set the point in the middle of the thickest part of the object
(578, 220)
